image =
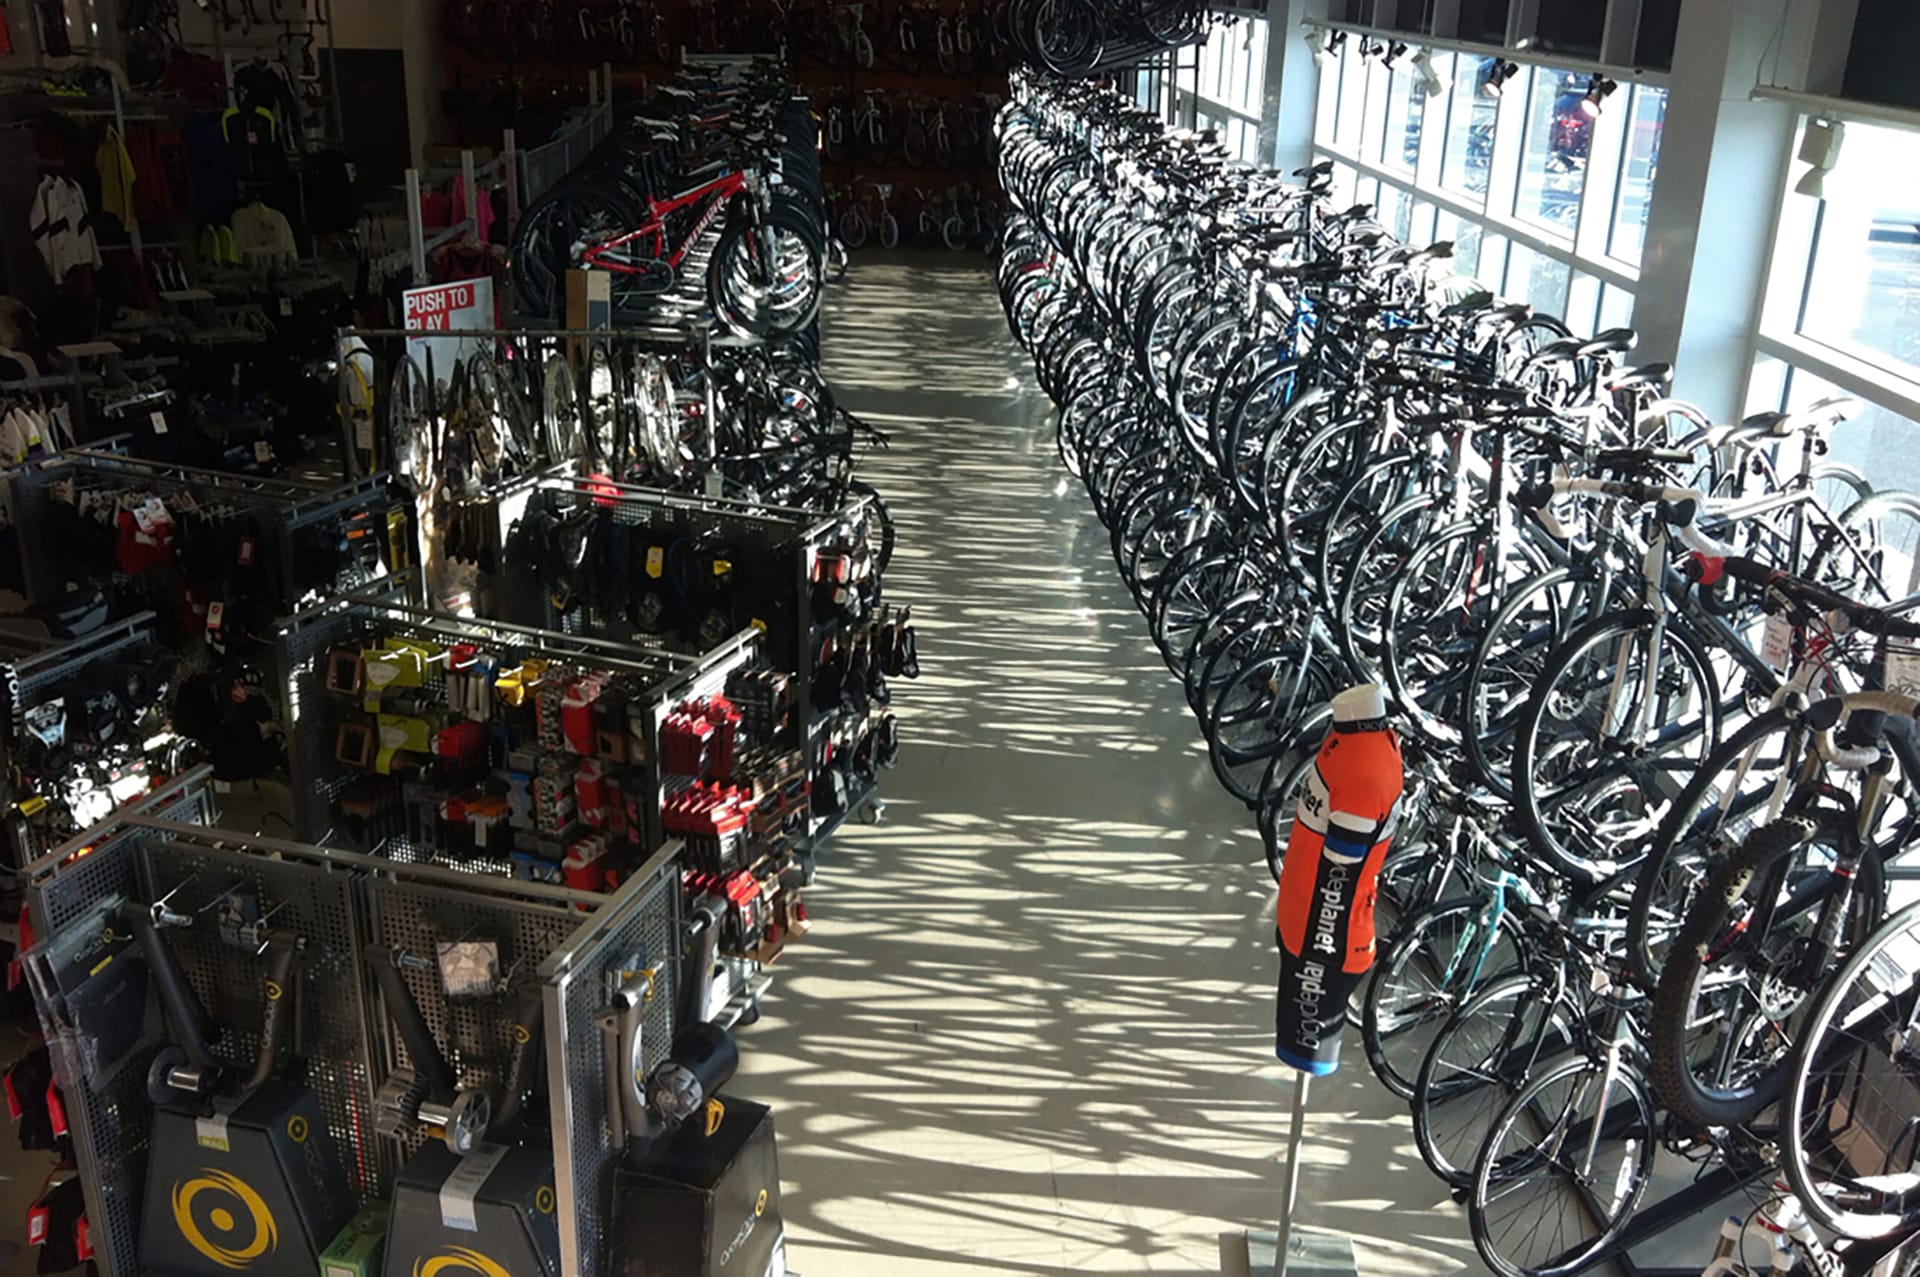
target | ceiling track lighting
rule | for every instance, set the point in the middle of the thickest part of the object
(1389, 56)
(1599, 89)
(1497, 76)
(1430, 79)
(1819, 147)
(1324, 50)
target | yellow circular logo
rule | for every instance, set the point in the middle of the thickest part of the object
(297, 1129)
(274, 991)
(760, 1205)
(521, 1035)
(543, 1200)
(224, 1219)
(456, 1260)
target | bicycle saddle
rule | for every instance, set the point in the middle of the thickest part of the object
(1646, 376)
(1767, 422)
(1323, 169)
(1511, 313)
(1611, 342)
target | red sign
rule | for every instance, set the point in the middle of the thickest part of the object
(431, 309)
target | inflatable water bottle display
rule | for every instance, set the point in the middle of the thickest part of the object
(1342, 827)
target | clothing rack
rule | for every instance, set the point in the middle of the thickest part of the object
(284, 507)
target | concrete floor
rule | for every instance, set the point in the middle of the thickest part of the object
(1031, 1030)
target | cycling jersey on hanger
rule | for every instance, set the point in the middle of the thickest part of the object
(1342, 827)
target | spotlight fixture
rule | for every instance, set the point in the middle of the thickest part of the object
(1599, 89)
(1497, 76)
(1429, 78)
(1390, 56)
(1325, 51)
(1819, 147)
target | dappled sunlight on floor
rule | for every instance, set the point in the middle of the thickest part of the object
(1031, 1029)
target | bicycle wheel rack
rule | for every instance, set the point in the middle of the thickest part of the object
(576, 944)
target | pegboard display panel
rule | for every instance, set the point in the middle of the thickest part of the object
(321, 780)
(414, 916)
(313, 901)
(109, 1116)
(637, 930)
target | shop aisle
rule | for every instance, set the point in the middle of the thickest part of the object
(1031, 1029)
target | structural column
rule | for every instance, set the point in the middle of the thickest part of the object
(1715, 204)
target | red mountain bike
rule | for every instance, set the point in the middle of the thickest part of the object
(764, 278)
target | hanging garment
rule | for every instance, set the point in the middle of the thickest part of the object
(253, 140)
(160, 188)
(263, 235)
(116, 177)
(62, 227)
(482, 209)
(216, 187)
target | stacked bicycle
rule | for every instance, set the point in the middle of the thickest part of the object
(709, 195)
(1657, 781)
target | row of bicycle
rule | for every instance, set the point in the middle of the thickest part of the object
(1658, 791)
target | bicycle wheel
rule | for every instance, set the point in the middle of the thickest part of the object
(1591, 775)
(560, 410)
(1745, 966)
(1482, 1056)
(410, 427)
(765, 281)
(1563, 1169)
(1443, 956)
(1849, 1130)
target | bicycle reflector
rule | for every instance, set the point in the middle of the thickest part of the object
(1342, 826)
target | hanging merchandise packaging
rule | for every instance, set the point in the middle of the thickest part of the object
(1342, 827)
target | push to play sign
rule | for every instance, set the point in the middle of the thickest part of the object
(447, 308)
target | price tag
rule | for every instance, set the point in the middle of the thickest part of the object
(1776, 642)
(363, 434)
(143, 518)
(656, 561)
(156, 509)
(31, 805)
(262, 451)
(159, 420)
(1903, 672)
(215, 613)
(286, 308)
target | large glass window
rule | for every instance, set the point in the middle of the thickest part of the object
(1468, 157)
(1406, 107)
(1465, 235)
(1537, 279)
(1395, 211)
(1863, 291)
(1639, 160)
(1616, 307)
(1553, 154)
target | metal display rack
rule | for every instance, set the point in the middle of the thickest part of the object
(577, 945)
(319, 777)
(785, 541)
(285, 508)
(32, 669)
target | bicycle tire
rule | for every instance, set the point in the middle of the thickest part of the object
(1674, 1022)
(1869, 975)
(1398, 1068)
(1629, 1181)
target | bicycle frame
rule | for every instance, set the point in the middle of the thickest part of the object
(612, 255)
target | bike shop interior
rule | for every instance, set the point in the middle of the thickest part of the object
(1403, 547)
